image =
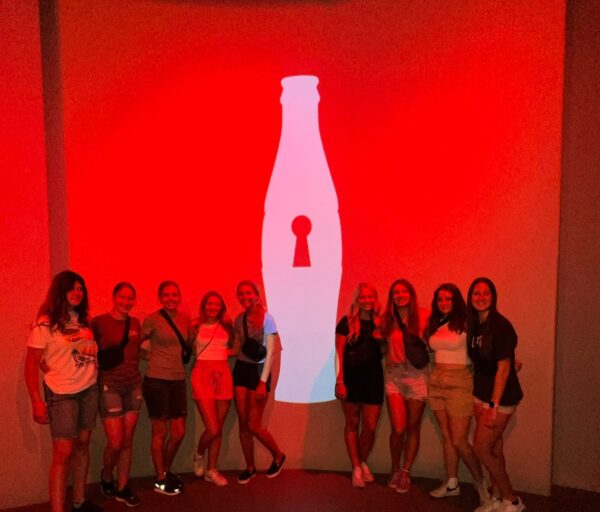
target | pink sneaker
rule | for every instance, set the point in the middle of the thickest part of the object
(394, 479)
(366, 473)
(214, 477)
(404, 482)
(357, 477)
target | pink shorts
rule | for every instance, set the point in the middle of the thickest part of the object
(211, 380)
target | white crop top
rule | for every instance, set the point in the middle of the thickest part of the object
(449, 346)
(211, 343)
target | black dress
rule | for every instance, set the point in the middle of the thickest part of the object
(363, 372)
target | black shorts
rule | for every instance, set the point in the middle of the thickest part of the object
(165, 398)
(247, 375)
(364, 382)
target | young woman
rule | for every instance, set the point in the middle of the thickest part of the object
(450, 388)
(120, 391)
(63, 338)
(359, 381)
(212, 385)
(252, 378)
(405, 385)
(497, 392)
(164, 383)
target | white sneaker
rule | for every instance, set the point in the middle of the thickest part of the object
(357, 477)
(492, 504)
(483, 490)
(198, 465)
(444, 490)
(508, 506)
(367, 476)
(214, 477)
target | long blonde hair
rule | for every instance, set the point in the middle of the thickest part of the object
(354, 313)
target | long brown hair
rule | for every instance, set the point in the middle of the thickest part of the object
(457, 319)
(222, 318)
(56, 307)
(354, 313)
(390, 315)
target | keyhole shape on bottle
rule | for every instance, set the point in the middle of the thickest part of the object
(301, 227)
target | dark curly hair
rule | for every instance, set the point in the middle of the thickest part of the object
(56, 307)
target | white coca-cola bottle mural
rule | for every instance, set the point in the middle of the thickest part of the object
(302, 249)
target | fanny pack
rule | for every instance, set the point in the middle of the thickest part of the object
(251, 348)
(111, 357)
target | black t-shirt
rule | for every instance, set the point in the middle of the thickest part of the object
(490, 342)
(365, 348)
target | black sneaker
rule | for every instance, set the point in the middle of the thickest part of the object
(128, 497)
(174, 479)
(246, 476)
(275, 467)
(107, 489)
(164, 486)
(86, 506)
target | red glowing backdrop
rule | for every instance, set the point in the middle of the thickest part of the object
(441, 124)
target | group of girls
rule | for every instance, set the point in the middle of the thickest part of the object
(473, 373)
(92, 364)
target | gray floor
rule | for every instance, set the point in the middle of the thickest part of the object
(312, 491)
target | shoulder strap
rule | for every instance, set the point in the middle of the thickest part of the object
(125, 339)
(245, 322)
(169, 320)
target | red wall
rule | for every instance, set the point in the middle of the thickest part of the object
(441, 127)
(432, 121)
(441, 123)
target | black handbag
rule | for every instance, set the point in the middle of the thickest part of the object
(186, 350)
(252, 348)
(414, 348)
(111, 357)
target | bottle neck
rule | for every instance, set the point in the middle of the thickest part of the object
(300, 118)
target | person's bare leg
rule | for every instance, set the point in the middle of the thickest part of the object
(255, 414)
(370, 417)
(114, 431)
(459, 430)
(484, 443)
(215, 446)
(450, 454)
(157, 446)
(246, 439)
(124, 464)
(352, 420)
(414, 414)
(176, 435)
(62, 450)
(397, 411)
(80, 460)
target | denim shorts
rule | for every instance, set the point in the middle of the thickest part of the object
(69, 414)
(407, 380)
(165, 399)
(115, 402)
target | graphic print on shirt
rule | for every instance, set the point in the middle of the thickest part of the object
(82, 359)
(302, 249)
